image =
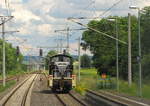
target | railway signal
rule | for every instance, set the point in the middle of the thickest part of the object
(41, 52)
(17, 51)
(103, 75)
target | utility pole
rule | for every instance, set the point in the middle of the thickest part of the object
(139, 57)
(68, 39)
(67, 30)
(117, 55)
(140, 54)
(79, 58)
(129, 51)
(4, 20)
(3, 37)
(59, 47)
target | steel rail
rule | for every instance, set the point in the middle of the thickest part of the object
(23, 103)
(15, 90)
(81, 102)
(72, 96)
(117, 99)
(60, 100)
(106, 98)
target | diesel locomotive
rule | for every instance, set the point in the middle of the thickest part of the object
(61, 77)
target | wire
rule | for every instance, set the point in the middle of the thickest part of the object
(115, 4)
(86, 7)
(99, 32)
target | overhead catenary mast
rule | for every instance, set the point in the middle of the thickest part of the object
(68, 30)
(5, 19)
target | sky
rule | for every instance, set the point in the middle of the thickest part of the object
(37, 20)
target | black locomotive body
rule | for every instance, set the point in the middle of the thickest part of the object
(61, 73)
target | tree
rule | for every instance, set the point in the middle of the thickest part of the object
(145, 22)
(104, 49)
(49, 54)
(85, 61)
(12, 64)
(145, 41)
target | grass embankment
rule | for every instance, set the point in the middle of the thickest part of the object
(90, 80)
(133, 90)
(8, 85)
(15, 73)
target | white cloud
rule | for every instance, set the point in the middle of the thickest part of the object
(22, 14)
(44, 29)
(24, 31)
(74, 49)
(42, 17)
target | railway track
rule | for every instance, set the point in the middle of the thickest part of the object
(17, 77)
(69, 100)
(19, 95)
(109, 99)
(9, 79)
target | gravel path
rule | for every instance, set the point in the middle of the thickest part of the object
(42, 95)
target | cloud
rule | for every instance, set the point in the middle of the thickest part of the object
(22, 14)
(24, 31)
(15, 39)
(74, 49)
(44, 29)
(37, 19)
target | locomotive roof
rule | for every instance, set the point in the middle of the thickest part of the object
(61, 55)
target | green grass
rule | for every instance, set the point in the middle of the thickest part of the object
(15, 73)
(90, 80)
(12, 73)
(146, 91)
(133, 90)
(8, 85)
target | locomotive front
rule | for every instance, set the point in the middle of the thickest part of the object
(61, 73)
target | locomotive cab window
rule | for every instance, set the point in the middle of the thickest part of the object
(61, 58)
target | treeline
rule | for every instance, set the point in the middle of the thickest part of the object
(104, 48)
(13, 64)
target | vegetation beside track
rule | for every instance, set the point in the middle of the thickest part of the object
(14, 61)
(16, 73)
(12, 82)
(90, 80)
(87, 81)
(8, 85)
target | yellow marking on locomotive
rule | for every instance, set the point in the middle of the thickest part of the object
(50, 81)
(73, 80)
